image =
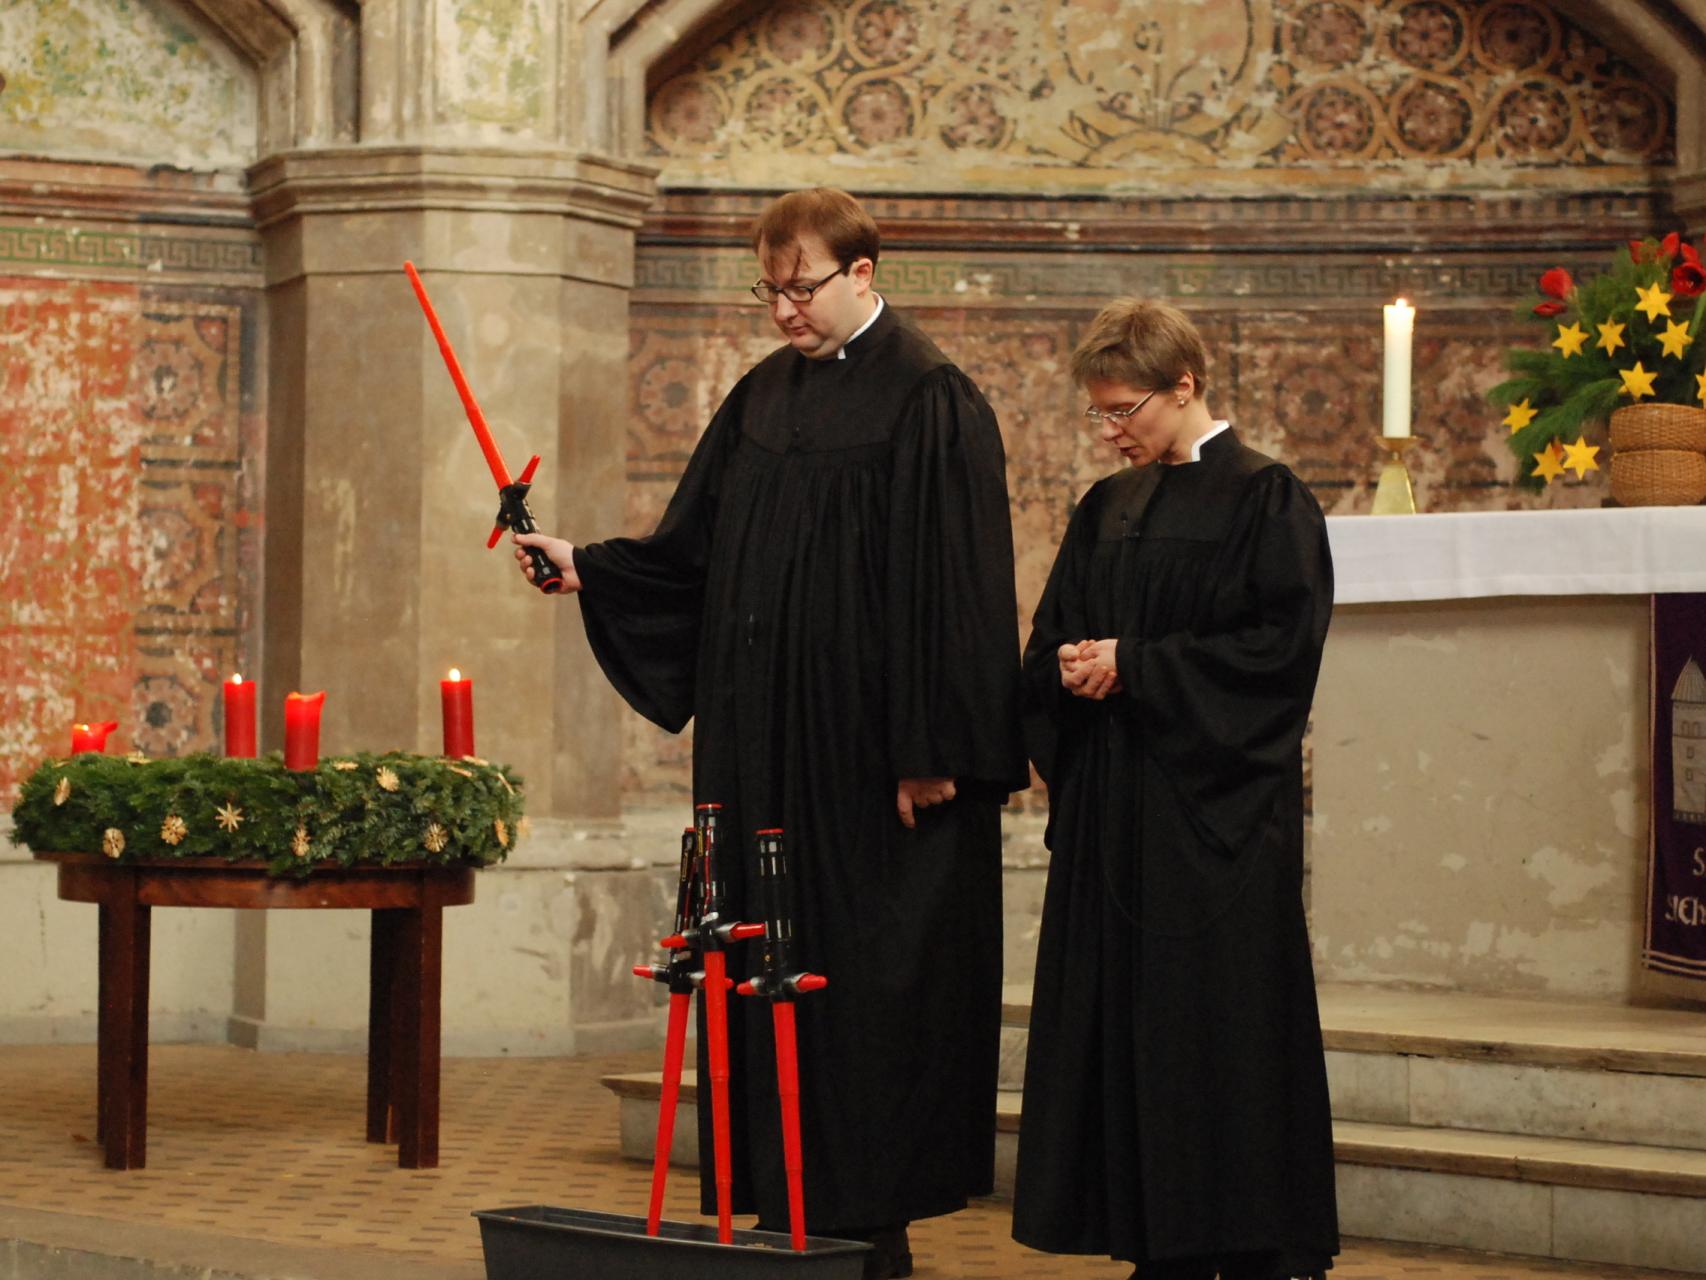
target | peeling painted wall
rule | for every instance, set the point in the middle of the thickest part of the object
(1107, 96)
(144, 81)
(495, 64)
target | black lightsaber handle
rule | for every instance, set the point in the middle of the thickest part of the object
(515, 515)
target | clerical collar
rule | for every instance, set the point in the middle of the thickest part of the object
(1220, 424)
(842, 354)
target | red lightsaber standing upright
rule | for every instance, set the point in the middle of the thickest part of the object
(678, 975)
(781, 983)
(513, 511)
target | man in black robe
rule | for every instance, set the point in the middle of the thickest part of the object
(829, 597)
(1175, 1109)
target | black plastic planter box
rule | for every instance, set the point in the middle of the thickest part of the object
(538, 1242)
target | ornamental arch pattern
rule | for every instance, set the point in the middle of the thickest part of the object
(1313, 94)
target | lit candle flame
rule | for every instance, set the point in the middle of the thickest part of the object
(455, 673)
(236, 677)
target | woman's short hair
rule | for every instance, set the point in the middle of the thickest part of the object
(828, 213)
(1142, 343)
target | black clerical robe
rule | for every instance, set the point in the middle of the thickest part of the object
(829, 596)
(1175, 1100)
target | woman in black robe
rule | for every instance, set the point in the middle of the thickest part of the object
(1175, 1108)
(829, 597)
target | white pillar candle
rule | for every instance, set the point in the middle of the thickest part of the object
(1395, 404)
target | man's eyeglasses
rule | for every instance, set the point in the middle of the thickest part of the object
(798, 294)
(1120, 416)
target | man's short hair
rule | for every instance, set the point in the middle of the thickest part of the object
(828, 213)
(1142, 343)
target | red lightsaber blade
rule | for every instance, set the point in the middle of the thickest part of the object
(788, 1086)
(476, 419)
(717, 1043)
(673, 1050)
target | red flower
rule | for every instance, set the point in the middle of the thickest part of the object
(1549, 309)
(1556, 283)
(1688, 278)
(1669, 245)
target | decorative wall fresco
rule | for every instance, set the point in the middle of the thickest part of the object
(129, 512)
(1110, 96)
(144, 81)
(492, 63)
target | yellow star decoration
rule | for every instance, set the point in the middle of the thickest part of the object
(1637, 382)
(230, 818)
(136, 757)
(1675, 338)
(62, 792)
(1655, 302)
(1520, 416)
(344, 766)
(1570, 339)
(173, 830)
(1610, 337)
(1549, 463)
(436, 838)
(112, 842)
(501, 832)
(299, 842)
(1699, 382)
(1579, 457)
(387, 779)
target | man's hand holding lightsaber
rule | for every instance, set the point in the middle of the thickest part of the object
(540, 556)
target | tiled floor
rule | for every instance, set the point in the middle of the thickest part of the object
(268, 1147)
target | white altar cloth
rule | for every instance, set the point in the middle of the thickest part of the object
(1466, 554)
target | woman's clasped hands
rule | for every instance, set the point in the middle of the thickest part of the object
(1090, 668)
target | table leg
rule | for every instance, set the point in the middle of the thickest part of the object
(416, 1047)
(123, 1026)
(381, 1010)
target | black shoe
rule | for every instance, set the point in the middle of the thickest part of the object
(891, 1253)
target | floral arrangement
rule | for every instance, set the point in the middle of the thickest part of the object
(354, 810)
(1620, 338)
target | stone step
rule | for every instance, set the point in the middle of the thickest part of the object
(1569, 1199)
(1549, 1069)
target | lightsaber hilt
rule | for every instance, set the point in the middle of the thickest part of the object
(678, 974)
(515, 515)
(778, 979)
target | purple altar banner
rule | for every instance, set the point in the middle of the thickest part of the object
(1676, 855)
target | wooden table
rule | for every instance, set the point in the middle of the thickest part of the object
(408, 904)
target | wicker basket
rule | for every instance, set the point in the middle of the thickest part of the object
(1658, 426)
(1658, 477)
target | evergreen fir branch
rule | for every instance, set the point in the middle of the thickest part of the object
(347, 816)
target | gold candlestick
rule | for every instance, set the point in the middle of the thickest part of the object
(1393, 496)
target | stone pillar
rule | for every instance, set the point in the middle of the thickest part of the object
(378, 506)
(378, 498)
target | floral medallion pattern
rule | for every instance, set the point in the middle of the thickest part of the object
(1084, 93)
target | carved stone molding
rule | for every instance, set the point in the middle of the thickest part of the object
(404, 178)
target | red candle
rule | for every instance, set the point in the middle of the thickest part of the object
(240, 718)
(302, 729)
(458, 697)
(91, 737)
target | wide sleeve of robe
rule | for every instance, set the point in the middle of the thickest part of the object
(642, 598)
(1048, 710)
(951, 637)
(1223, 708)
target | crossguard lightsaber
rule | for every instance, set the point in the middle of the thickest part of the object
(701, 930)
(678, 976)
(513, 511)
(782, 984)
